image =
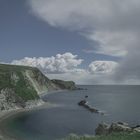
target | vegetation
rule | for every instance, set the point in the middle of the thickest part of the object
(64, 84)
(26, 83)
(114, 136)
(13, 77)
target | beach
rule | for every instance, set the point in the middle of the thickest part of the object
(62, 116)
(5, 115)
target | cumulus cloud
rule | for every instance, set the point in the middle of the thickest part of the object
(102, 67)
(84, 78)
(115, 25)
(67, 67)
(61, 63)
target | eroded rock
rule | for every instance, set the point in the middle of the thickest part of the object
(104, 129)
(84, 103)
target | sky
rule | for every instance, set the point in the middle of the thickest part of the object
(87, 41)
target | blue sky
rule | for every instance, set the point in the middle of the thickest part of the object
(97, 32)
(23, 34)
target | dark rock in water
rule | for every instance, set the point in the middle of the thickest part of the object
(94, 110)
(82, 103)
(90, 108)
(86, 96)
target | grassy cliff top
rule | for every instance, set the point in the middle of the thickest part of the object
(14, 78)
(15, 67)
(70, 85)
(28, 82)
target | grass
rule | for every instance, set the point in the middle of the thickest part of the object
(115, 136)
(21, 87)
(65, 84)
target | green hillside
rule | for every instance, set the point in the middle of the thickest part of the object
(19, 84)
(24, 80)
(14, 78)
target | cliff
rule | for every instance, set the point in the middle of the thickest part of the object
(21, 85)
(70, 85)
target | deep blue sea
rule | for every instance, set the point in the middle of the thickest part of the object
(120, 103)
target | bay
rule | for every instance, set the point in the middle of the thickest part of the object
(120, 103)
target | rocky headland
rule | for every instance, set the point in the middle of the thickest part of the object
(21, 88)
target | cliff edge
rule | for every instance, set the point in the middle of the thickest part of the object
(21, 86)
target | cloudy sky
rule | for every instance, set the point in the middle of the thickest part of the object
(88, 41)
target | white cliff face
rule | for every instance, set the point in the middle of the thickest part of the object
(7, 101)
(40, 88)
(15, 78)
(34, 103)
(21, 86)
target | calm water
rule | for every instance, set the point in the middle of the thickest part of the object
(121, 103)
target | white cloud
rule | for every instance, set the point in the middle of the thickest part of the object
(67, 67)
(85, 77)
(114, 24)
(61, 63)
(102, 67)
(113, 43)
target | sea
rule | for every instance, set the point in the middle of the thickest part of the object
(120, 103)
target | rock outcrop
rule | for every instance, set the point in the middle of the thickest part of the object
(9, 100)
(85, 104)
(106, 129)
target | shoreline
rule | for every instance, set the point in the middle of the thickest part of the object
(51, 92)
(5, 115)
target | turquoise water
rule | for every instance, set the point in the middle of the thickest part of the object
(120, 103)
